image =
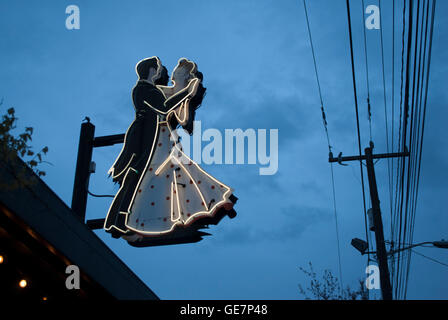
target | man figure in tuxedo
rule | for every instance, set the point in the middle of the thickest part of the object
(139, 138)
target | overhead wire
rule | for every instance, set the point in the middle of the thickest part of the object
(385, 112)
(391, 264)
(398, 184)
(411, 161)
(409, 175)
(413, 133)
(357, 115)
(419, 143)
(369, 109)
(404, 131)
(429, 258)
(416, 110)
(324, 119)
(412, 113)
(426, 95)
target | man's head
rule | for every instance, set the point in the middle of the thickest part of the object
(151, 69)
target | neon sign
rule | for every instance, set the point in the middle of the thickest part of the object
(164, 196)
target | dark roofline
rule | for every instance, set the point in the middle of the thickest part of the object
(44, 212)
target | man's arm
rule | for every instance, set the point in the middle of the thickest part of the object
(154, 99)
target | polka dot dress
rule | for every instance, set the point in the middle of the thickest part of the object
(173, 189)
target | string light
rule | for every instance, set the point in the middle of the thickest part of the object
(1, 259)
(23, 283)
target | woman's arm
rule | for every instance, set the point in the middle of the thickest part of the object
(186, 93)
(182, 113)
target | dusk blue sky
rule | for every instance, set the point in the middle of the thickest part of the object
(258, 70)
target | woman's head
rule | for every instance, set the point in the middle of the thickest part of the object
(184, 71)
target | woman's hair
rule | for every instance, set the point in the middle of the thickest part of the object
(194, 104)
(195, 101)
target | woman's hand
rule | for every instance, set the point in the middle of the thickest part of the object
(193, 86)
(181, 113)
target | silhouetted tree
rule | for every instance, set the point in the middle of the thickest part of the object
(12, 147)
(328, 288)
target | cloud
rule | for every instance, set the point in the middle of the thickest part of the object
(288, 223)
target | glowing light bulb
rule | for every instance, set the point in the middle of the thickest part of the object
(22, 283)
(1, 259)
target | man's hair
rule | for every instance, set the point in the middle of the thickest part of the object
(143, 66)
(163, 78)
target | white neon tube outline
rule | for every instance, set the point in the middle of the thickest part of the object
(194, 183)
(125, 168)
(195, 80)
(193, 217)
(159, 70)
(160, 168)
(210, 211)
(183, 107)
(162, 88)
(197, 214)
(171, 204)
(120, 212)
(141, 176)
(177, 197)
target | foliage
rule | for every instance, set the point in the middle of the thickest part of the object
(328, 288)
(12, 147)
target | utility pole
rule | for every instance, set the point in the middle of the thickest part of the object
(386, 288)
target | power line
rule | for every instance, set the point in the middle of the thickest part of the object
(357, 116)
(398, 186)
(414, 136)
(404, 131)
(422, 121)
(409, 175)
(429, 258)
(369, 113)
(385, 111)
(329, 145)
(411, 134)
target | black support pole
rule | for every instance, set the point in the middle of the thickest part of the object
(108, 140)
(386, 289)
(85, 148)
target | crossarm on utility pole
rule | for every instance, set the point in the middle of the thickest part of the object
(363, 157)
(386, 288)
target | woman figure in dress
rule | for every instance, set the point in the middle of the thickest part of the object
(174, 197)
